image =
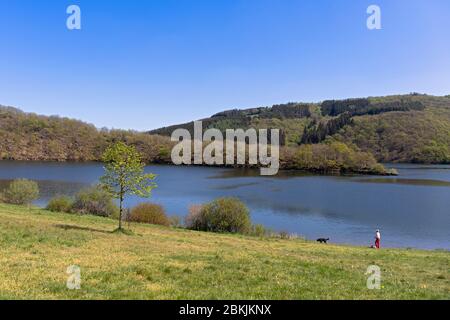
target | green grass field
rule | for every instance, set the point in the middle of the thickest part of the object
(165, 263)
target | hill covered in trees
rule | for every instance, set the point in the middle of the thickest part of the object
(411, 128)
(351, 135)
(28, 136)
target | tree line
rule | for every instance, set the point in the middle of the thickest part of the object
(359, 107)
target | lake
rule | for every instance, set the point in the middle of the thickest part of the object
(412, 209)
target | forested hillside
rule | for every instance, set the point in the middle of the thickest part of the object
(406, 128)
(27, 136)
(418, 137)
(346, 136)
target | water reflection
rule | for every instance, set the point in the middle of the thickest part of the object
(411, 182)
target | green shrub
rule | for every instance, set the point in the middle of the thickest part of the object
(21, 191)
(149, 213)
(260, 231)
(95, 201)
(195, 220)
(223, 215)
(60, 204)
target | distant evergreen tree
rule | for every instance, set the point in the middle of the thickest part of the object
(359, 107)
(316, 133)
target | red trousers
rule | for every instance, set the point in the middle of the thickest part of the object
(377, 243)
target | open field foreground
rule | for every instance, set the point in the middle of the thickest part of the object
(155, 262)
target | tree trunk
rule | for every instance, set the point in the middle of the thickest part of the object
(120, 210)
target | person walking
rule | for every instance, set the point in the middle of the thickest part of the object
(377, 239)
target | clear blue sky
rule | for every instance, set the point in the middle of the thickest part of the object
(145, 64)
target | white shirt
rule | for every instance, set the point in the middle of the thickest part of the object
(378, 235)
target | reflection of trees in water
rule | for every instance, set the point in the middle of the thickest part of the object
(254, 173)
(50, 188)
(412, 182)
(235, 186)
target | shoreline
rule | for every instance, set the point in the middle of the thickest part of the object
(318, 172)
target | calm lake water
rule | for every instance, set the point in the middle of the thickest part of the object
(412, 210)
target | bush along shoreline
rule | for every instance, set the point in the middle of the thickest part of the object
(222, 215)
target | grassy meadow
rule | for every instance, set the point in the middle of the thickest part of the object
(153, 262)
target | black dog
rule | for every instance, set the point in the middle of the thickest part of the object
(323, 240)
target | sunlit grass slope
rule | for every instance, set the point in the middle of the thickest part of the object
(37, 246)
